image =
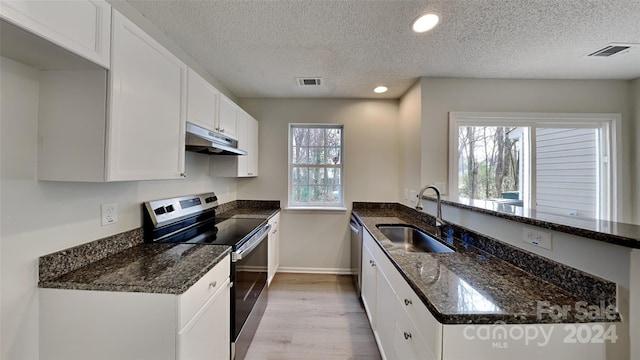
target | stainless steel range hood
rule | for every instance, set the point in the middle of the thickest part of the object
(203, 141)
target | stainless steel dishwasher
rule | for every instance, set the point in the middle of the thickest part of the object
(356, 252)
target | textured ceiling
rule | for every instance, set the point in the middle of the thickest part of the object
(258, 48)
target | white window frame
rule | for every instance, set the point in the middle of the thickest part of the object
(307, 206)
(610, 177)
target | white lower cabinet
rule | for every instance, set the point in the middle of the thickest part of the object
(369, 281)
(391, 310)
(405, 329)
(273, 257)
(101, 325)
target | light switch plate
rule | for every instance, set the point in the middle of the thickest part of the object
(109, 213)
(537, 238)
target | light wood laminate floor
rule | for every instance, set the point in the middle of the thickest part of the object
(311, 316)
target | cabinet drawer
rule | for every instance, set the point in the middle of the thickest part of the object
(408, 342)
(426, 324)
(193, 299)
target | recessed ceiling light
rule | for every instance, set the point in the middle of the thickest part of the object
(425, 22)
(380, 90)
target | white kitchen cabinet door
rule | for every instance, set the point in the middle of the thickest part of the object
(386, 312)
(227, 117)
(81, 26)
(207, 335)
(248, 141)
(148, 112)
(369, 280)
(239, 166)
(202, 101)
(274, 247)
(252, 147)
(242, 126)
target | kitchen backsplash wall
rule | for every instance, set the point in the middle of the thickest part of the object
(43, 217)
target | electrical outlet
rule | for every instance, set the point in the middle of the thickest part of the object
(406, 194)
(109, 213)
(537, 238)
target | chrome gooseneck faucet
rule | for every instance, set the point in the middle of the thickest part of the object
(439, 222)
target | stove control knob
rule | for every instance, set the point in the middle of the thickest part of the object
(159, 211)
(169, 208)
(210, 199)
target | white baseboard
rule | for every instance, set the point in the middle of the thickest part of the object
(307, 270)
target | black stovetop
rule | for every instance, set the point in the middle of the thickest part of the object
(219, 231)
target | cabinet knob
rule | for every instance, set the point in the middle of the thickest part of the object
(407, 335)
(373, 263)
(408, 302)
(213, 284)
(184, 175)
(222, 130)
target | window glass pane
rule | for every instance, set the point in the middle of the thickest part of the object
(300, 155)
(316, 176)
(332, 155)
(300, 194)
(300, 137)
(334, 193)
(333, 137)
(333, 176)
(489, 163)
(316, 165)
(316, 155)
(300, 176)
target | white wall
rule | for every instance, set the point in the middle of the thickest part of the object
(410, 144)
(319, 240)
(43, 217)
(440, 96)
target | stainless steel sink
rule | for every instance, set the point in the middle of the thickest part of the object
(413, 239)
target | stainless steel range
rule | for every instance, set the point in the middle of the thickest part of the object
(192, 219)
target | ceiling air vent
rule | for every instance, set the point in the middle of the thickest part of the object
(311, 81)
(611, 50)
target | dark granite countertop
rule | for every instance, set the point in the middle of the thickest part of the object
(612, 232)
(470, 285)
(123, 262)
(149, 268)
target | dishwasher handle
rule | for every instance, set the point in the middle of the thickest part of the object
(354, 224)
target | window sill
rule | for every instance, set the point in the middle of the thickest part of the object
(316, 208)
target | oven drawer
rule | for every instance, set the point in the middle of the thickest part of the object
(193, 299)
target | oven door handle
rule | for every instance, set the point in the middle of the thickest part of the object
(253, 244)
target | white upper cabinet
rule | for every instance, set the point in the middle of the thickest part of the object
(239, 166)
(135, 131)
(227, 117)
(252, 146)
(148, 112)
(81, 26)
(202, 102)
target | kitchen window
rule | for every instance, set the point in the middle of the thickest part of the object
(316, 166)
(557, 164)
